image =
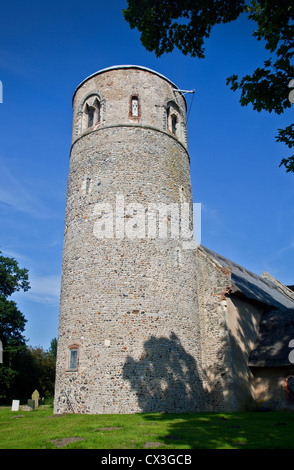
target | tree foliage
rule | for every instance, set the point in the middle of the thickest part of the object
(35, 370)
(166, 24)
(185, 24)
(12, 322)
(42, 371)
(24, 368)
(12, 278)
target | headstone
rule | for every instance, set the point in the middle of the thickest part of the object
(31, 403)
(26, 408)
(15, 405)
(35, 397)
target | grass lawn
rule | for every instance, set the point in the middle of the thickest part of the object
(40, 429)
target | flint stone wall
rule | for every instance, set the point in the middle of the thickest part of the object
(130, 306)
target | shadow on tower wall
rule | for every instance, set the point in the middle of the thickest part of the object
(165, 378)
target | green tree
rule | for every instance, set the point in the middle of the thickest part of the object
(43, 377)
(12, 323)
(36, 370)
(12, 278)
(53, 348)
(185, 24)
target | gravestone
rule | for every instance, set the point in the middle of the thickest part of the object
(26, 408)
(15, 405)
(35, 397)
(31, 403)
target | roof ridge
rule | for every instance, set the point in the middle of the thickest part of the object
(288, 292)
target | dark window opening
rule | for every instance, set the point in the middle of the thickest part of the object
(91, 113)
(97, 106)
(88, 182)
(174, 124)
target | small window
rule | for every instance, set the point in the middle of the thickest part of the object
(73, 358)
(97, 107)
(135, 106)
(91, 113)
(134, 109)
(174, 124)
(88, 185)
(174, 120)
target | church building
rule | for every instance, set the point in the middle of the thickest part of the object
(151, 321)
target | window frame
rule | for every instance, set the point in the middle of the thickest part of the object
(173, 124)
(91, 107)
(91, 116)
(71, 349)
(131, 115)
(174, 119)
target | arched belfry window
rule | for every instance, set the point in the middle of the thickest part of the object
(174, 124)
(135, 111)
(91, 113)
(173, 118)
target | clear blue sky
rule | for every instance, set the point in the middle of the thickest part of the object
(46, 50)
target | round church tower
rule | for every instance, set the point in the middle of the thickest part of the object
(129, 333)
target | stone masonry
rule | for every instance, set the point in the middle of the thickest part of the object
(129, 335)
